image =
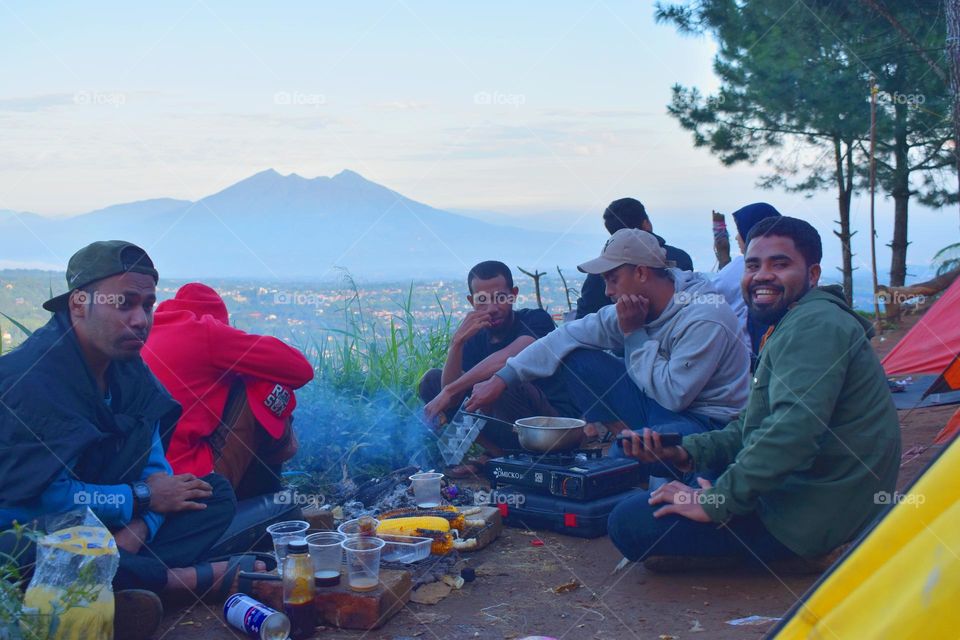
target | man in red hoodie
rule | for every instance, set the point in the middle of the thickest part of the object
(236, 390)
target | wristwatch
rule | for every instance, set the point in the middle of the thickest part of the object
(141, 497)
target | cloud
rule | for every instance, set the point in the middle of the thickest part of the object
(401, 105)
(43, 102)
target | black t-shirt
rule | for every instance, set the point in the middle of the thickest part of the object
(526, 322)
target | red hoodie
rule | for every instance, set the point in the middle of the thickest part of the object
(197, 356)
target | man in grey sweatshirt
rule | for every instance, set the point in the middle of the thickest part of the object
(682, 366)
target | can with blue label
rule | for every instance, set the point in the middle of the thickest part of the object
(255, 618)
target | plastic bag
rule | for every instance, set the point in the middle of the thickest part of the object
(72, 582)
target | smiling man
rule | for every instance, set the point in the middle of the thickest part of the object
(81, 425)
(801, 466)
(680, 364)
(488, 335)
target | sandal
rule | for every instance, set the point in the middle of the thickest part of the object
(237, 566)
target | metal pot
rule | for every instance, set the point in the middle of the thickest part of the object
(544, 434)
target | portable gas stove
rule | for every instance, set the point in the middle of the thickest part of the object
(577, 475)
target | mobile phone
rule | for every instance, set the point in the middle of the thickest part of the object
(666, 440)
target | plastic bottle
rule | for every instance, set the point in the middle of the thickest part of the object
(299, 590)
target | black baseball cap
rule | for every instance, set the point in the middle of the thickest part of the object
(101, 260)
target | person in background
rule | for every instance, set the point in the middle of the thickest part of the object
(727, 280)
(81, 426)
(236, 389)
(488, 335)
(625, 213)
(681, 365)
(819, 438)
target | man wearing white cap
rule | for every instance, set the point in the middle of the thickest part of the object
(682, 367)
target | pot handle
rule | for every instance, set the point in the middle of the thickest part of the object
(481, 416)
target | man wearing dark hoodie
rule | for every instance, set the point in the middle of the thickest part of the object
(625, 213)
(683, 367)
(236, 390)
(801, 468)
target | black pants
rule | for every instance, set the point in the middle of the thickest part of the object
(183, 540)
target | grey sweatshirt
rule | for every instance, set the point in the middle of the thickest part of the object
(690, 358)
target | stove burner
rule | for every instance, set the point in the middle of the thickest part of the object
(578, 475)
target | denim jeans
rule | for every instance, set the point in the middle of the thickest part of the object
(602, 391)
(637, 534)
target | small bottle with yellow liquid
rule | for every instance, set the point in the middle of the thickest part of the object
(298, 590)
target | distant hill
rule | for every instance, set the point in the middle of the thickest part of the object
(280, 227)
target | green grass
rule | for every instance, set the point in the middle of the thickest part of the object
(359, 417)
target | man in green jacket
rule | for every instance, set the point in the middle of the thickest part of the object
(807, 465)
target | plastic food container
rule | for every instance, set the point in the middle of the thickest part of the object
(405, 549)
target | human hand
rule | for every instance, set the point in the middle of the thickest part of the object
(632, 312)
(647, 447)
(473, 323)
(169, 494)
(437, 406)
(486, 393)
(681, 500)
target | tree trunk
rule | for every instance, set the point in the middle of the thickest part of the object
(844, 192)
(901, 197)
(952, 11)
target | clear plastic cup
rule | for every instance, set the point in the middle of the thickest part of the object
(426, 489)
(363, 562)
(362, 526)
(282, 533)
(327, 556)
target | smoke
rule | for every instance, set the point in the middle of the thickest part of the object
(347, 437)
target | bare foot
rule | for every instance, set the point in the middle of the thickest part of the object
(184, 579)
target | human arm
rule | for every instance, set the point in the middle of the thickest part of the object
(472, 324)
(676, 379)
(542, 358)
(484, 370)
(263, 357)
(807, 367)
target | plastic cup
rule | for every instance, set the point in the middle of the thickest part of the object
(362, 526)
(363, 562)
(426, 489)
(282, 533)
(327, 556)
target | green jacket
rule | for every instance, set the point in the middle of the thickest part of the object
(819, 436)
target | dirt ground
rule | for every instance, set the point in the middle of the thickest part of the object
(513, 595)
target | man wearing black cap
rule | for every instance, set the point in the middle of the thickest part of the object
(82, 422)
(625, 213)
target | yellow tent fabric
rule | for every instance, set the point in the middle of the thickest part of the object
(903, 579)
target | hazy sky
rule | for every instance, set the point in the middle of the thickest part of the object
(513, 107)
